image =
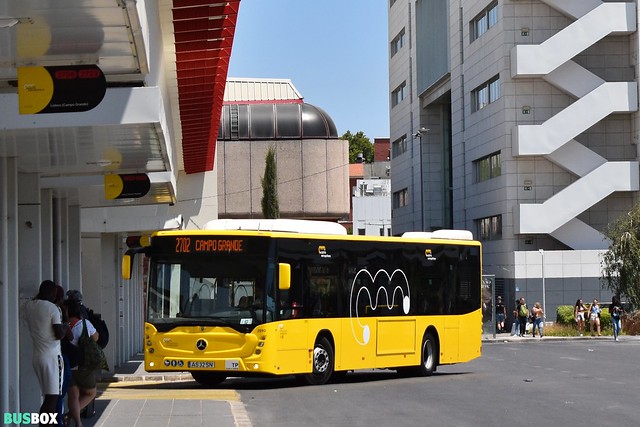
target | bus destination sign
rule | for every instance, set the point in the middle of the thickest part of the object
(187, 245)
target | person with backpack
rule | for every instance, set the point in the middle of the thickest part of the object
(523, 314)
(82, 387)
(75, 296)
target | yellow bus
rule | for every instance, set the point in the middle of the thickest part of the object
(289, 297)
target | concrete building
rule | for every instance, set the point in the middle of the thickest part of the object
(126, 92)
(312, 162)
(517, 120)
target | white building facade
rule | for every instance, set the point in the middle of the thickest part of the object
(517, 120)
(372, 207)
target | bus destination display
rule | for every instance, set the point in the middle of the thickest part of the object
(187, 245)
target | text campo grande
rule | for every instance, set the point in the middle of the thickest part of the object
(219, 245)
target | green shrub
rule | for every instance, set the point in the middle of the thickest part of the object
(566, 325)
(564, 315)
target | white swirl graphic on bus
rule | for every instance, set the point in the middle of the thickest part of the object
(363, 292)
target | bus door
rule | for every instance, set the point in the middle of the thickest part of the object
(291, 324)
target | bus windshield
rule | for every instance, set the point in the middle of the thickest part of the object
(218, 290)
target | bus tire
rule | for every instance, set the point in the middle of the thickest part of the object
(208, 379)
(429, 355)
(323, 362)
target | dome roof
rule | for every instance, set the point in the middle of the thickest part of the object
(275, 121)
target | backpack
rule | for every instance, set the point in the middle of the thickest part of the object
(523, 311)
(101, 327)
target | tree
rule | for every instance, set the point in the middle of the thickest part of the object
(359, 144)
(270, 207)
(621, 272)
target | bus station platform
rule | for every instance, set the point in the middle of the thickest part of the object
(132, 396)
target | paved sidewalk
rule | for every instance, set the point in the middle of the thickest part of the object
(132, 396)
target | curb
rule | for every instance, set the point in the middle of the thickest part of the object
(529, 338)
(168, 377)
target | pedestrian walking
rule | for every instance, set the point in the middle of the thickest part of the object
(523, 314)
(538, 319)
(616, 311)
(579, 311)
(594, 317)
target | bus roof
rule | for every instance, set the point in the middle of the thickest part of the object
(279, 225)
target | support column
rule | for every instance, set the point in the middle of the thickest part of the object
(73, 248)
(61, 242)
(30, 228)
(9, 315)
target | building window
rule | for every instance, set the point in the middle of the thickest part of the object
(400, 198)
(399, 94)
(399, 146)
(485, 94)
(485, 20)
(397, 43)
(490, 228)
(488, 167)
(391, 3)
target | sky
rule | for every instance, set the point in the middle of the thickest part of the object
(334, 51)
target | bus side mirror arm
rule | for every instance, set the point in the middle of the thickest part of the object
(284, 276)
(127, 262)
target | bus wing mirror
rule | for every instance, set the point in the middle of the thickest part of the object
(127, 264)
(284, 276)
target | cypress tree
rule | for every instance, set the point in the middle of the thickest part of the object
(270, 207)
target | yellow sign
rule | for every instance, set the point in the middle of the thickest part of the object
(60, 89)
(126, 186)
(35, 89)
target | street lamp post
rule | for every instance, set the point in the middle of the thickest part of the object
(419, 135)
(544, 291)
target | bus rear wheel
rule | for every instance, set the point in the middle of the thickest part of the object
(208, 379)
(429, 356)
(322, 363)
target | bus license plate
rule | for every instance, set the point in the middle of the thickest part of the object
(201, 364)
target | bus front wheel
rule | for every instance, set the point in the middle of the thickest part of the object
(429, 357)
(322, 363)
(208, 379)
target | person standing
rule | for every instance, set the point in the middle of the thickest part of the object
(516, 322)
(501, 314)
(538, 319)
(82, 387)
(45, 325)
(65, 340)
(594, 317)
(523, 314)
(579, 311)
(616, 310)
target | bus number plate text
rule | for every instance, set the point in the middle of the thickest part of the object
(201, 364)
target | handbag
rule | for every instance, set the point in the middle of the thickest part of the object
(93, 356)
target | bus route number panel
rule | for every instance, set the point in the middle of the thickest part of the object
(187, 245)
